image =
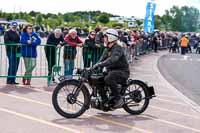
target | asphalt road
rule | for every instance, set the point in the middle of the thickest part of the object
(28, 109)
(183, 72)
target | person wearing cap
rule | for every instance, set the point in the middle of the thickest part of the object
(72, 40)
(54, 40)
(11, 40)
(114, 59)
(29, 40)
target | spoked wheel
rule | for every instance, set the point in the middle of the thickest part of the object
(136, 98)
(66, 103)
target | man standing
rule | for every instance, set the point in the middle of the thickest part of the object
(184, 44)
(11, 39)
(156, 41)
(54, 40)
(73, 41)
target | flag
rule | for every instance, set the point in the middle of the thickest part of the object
(149, 18)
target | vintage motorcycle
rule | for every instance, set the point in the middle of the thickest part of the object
(72, 97)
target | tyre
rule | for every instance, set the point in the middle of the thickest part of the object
(66, 103)
(136, 98)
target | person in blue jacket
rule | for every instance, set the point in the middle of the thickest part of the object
(29, 40)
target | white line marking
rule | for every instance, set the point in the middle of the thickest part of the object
(38, 120)
(173, 59)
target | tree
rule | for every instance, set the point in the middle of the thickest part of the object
(184, 19)
(157, 22)
(103, 18)
(139, 23)
(9, 16)
(190, 18)
(33, 13)
(39, 19)
(60, 20)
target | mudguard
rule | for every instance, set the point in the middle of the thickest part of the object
(150, 89)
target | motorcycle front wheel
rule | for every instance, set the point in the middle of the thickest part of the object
(67, 103)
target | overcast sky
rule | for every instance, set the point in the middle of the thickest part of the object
(118, 7)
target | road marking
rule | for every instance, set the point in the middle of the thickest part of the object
(110, 121)
(169, 101)
(167, 110)
(173, 59)
(95, 117)
(171, 123)
(179, 103)
(185, 57)
(39, 120)
(49, 93)
(161, 95)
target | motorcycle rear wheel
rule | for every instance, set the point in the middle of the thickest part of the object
(137, 94)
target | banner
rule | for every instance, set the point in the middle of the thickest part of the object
(149, 18)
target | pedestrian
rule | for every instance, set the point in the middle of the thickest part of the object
(72, 40)
(156, 41)
(29, 40)
(198, 45)
(12, 40)
(55, 40)
(89, 50)
(184, 44)
(175, 46)
(99, 36)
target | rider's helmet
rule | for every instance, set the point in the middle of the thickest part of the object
(112, 35)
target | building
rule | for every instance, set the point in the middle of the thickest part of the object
(130, 20)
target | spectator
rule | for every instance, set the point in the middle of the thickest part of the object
(126, 43)
(89, 49)
(1, 30)
(156, 41)
(11, 39)
(29, 41)
(54, 40)
(65, 31)
(173, 43)
(184, 44)
(73, 41)
(198, 45)
(99, 37)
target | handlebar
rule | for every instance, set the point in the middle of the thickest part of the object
(86, 72)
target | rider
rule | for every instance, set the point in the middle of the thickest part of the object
(115, 61)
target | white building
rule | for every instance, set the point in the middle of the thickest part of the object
(130, 20)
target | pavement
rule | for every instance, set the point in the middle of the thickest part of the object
(28, 109)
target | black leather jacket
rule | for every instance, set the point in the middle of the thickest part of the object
(114, 59)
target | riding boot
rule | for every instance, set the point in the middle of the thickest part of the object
(118, 100)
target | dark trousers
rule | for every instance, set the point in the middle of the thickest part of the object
(51, 59)
(87, 57)
(114, 78)
(155, 47)
(13, 62)
(183, 50)
(87, 62)
(198, 50)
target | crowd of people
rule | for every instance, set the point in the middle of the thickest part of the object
(134, 43)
